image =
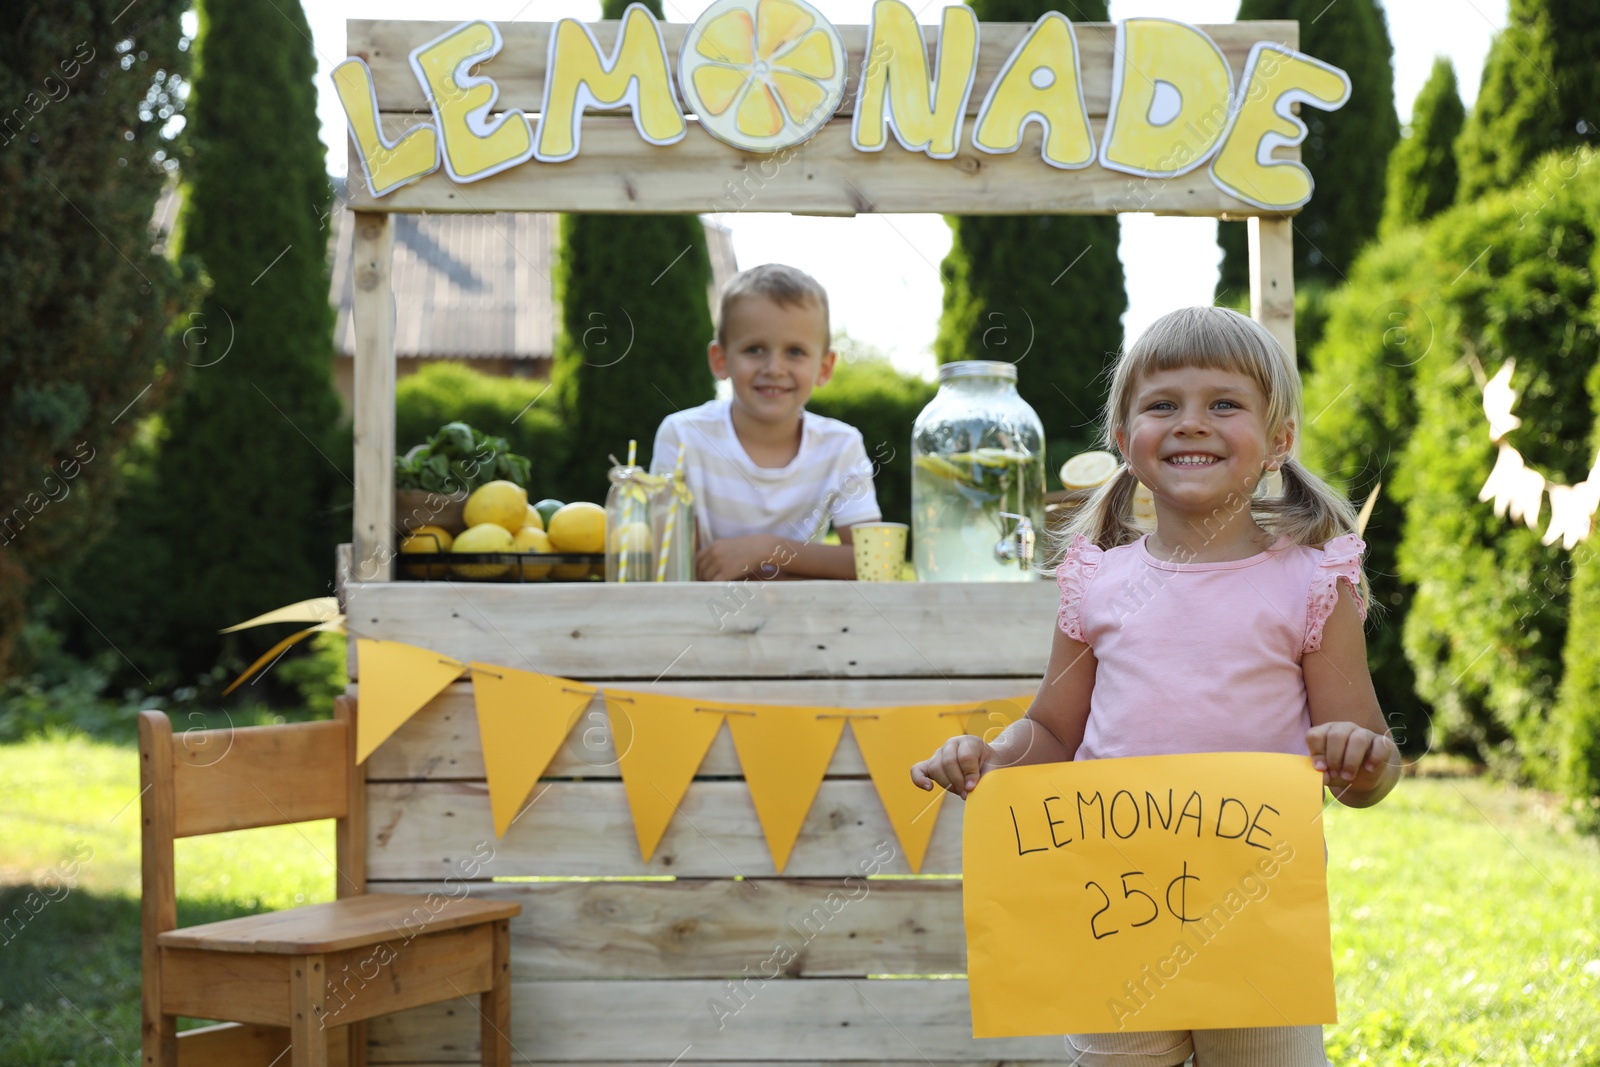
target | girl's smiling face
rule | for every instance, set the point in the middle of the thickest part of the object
(1196, 435)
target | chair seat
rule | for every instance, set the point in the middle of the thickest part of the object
(353, 922)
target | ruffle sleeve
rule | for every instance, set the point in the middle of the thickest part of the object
(1076, 570)
(1341, 558)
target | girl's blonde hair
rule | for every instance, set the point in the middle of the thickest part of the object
(1309, 511)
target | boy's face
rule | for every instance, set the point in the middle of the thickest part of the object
(775, 355)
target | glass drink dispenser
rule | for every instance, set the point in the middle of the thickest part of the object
(977, 480)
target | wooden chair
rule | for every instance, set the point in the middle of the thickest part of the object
(307, 978)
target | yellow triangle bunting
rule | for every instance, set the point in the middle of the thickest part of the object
(661, 741)
(396, 680)
(784, 751)
(892, 739)
(523, 718)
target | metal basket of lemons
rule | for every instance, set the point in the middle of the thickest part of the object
(508, 539)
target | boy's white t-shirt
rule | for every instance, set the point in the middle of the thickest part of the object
(829, 477)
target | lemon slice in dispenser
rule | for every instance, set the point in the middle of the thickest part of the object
(762, 75)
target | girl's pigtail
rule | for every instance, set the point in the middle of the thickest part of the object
(1309, 512)
(1107, 518)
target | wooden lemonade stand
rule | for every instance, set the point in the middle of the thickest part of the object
(616, 960)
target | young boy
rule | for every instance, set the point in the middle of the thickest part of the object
(767, 475)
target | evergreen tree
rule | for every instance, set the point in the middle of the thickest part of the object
(1347, 151)
(84, 298)
(1043, 291)
(635, 322)
(1422, 168)
(1540, 92)
(238, 509)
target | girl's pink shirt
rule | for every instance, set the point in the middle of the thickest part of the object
(1201, 657)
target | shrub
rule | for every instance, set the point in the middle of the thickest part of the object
(511, 408)
(1359, 414)
(1487, 628)
(868, 393)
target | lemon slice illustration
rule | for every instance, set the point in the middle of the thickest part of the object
(762, 75)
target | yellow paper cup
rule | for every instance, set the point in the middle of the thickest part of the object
(880, 550)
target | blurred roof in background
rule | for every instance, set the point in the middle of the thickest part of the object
(466, 286)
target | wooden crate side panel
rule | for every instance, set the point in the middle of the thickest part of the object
(936, 630)
(712, 928)
(441, 742)
(425, 831)
(519, 70)
(617, 172)
(664, 1022)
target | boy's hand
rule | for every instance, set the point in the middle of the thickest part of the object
(957, 765)
(1349, 756)
(759, 555)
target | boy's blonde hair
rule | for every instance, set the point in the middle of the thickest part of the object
(1309, 511)
(783, 285)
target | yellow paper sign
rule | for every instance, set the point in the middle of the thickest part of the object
(1157, 893)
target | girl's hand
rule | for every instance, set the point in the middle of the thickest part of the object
(957, 765)
(1349, 756)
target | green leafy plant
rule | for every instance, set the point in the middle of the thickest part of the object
(459, 459)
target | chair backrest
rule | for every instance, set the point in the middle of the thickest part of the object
(210, 781)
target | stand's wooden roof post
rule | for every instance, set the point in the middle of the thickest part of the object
(373, 312)
(1272, 277)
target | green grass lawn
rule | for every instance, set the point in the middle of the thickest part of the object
(1466, 918)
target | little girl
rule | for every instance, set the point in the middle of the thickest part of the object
(1226, 629)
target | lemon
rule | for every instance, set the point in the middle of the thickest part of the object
(1144, 506)
(426, 539)
(484, 537)
(1087, 470)
(579, 527)
(503, 503)
(532, 539)
(534, 519)
(633, 538)
(762, 75)
(940, 467)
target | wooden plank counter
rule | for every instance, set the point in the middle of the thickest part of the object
(618, 961)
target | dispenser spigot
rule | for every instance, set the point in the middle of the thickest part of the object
(1018, 547)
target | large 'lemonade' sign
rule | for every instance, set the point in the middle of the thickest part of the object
(1155, 893)
(766, 75)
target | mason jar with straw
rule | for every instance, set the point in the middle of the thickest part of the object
(673, 513)
(630, 536)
